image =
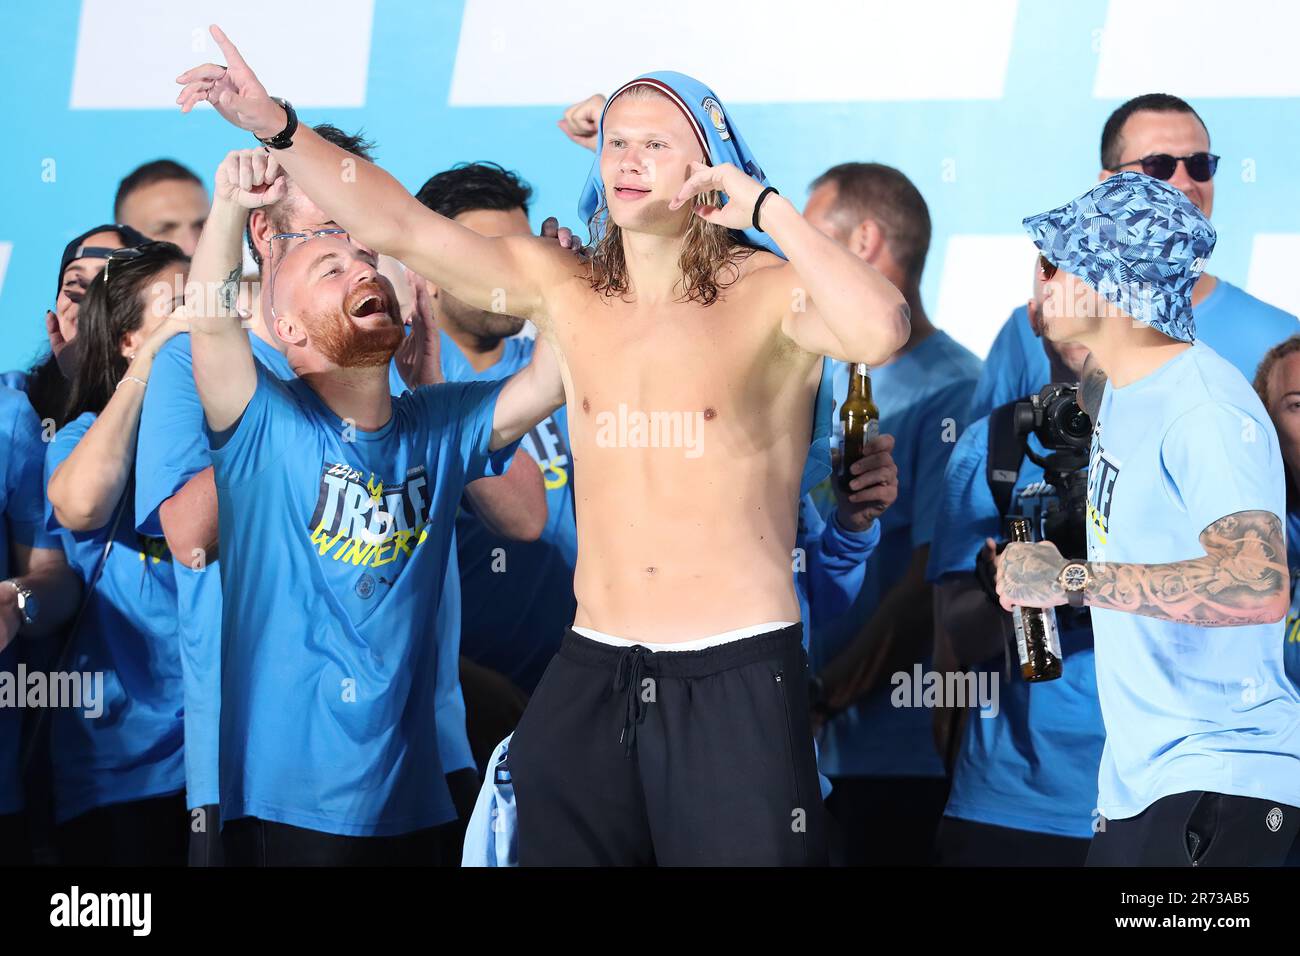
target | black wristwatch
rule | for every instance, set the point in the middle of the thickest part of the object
(284, 138)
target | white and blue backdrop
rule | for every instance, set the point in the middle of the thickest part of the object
(994, 108)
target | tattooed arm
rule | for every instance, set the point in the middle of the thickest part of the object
(224, 371)
(1241, 579)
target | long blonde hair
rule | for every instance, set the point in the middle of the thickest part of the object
(710, 254)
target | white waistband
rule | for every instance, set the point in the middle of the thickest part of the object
(698, 645)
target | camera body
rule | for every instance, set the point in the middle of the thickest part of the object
(1065, 430)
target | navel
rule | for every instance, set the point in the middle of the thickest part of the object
(710, 414)
(586, 405)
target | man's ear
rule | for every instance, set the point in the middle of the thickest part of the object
(867, 241)
(259, 224)
(289, 331)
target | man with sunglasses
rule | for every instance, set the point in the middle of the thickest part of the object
(1163, 137)
(1187, 573)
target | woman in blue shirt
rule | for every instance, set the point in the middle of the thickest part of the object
(118, 766)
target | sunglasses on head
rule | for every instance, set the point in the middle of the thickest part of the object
(130, 252)
(1200, 166)
(1045, 268)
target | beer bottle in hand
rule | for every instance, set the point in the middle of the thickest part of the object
(861, 421)
(1037, 640)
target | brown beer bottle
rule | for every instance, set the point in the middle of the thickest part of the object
(861, 421)
(1037, 640)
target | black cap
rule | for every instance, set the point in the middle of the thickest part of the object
(73, 250)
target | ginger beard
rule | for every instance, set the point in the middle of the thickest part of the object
(348, 337)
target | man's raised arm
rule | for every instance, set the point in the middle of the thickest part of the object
(831, 301)
(505, 274)
(224, 371)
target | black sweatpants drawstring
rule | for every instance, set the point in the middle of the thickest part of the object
(627, 676)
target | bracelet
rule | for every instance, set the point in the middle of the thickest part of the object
(130, 378)
(759, 202)
(284, 138)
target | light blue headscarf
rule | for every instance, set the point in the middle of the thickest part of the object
(718, 137)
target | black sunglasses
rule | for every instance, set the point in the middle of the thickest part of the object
(1200, 166)
(131, 252)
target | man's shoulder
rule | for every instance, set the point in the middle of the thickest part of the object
(1239, 300)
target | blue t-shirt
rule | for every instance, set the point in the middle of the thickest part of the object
(133, 748)
(924, 396)
(1016, 366)
(22, 499)
(1232, 322)
(1031, 764)
(1291, 649)
(518, 637)
(1186, 707)
(172, 449)
(333, 534)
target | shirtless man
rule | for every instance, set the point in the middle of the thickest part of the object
(701, 757)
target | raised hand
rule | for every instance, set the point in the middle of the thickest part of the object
(173, 325)
(250, 178)
(742, 192)
(62, 347)
(566, 237)
(233, 89)
(581, 121)
(419, 357)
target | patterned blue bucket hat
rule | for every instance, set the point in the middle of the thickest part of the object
(1138, 241)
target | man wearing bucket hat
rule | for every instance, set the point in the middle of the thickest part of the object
(1187, 572)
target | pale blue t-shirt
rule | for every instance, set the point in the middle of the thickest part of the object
(924, 397)
(132, 748)
(1234, 323)
(1032, 764)
(331, 537)
(1186, 707)
(22, 499)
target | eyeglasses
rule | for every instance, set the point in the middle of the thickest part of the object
(287, 241)
(1045, 268)
(131, 252)
(1200, 166)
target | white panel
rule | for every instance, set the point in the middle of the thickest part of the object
(1199, 49)
(984, 278)
(521, 52)
(5, 249)
(1272, 276)
(312, 53)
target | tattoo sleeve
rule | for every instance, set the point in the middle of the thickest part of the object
(1242, 579)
